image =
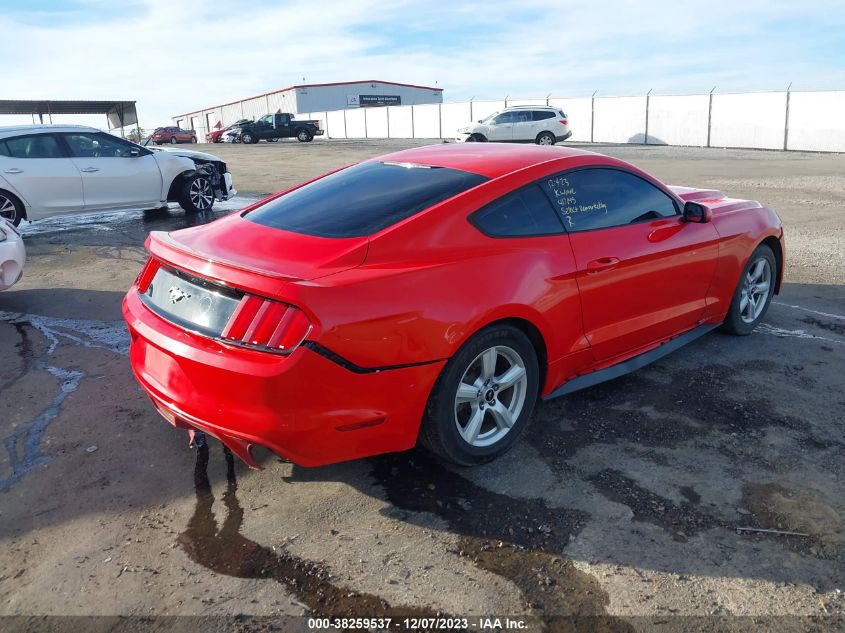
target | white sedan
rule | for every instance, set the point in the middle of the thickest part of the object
(47, 170)
(12, 255)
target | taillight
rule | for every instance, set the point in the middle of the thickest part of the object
(317, 124)
(267, 324)
(146, 275)
(564, 121)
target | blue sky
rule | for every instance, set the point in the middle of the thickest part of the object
(174, 57)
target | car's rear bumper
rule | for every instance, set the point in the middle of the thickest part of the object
(564, 136)
(304, 406)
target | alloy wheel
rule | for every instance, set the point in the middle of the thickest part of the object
(545, 139)
(490, 396)
(8, 209)
(202, 197)
(756, 288)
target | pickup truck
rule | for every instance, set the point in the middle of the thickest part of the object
(276, 126)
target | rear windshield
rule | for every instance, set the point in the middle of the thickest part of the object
(363, 199)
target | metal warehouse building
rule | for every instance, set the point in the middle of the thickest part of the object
(310, 98)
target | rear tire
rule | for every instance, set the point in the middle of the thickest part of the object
(193, 139)
(545, 138)
(483, 398)
(753, 293)
(11, 208)
(303, 136)
(173, 140)
(196, 194)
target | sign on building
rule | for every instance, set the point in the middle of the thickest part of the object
(379, 100)
(364, 101)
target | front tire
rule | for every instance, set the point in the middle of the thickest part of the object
(196, 194)
(173, 140)
(303, 136)
(545, 138)
(483, 398)
(753, 293)
(247, 138)
(11, 208)
(193, 139)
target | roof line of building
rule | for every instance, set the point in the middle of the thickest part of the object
(296, 87)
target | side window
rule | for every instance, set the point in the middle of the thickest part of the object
(504, 117)
(34, 146)
(599, 198)
(94, 145)
(524, 212)
(522, 116)
(267, 118)
(542, 115)
(4, 151)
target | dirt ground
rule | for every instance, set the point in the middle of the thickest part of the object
(633, 505)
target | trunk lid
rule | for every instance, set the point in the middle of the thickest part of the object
(243, 246)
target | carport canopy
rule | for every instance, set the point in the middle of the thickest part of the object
(118, 113)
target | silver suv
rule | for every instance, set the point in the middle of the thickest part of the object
(543, 125)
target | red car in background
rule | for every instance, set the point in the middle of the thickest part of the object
(216, 136)
(432, 295)
(173, 135)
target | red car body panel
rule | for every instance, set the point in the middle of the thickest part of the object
(389, 309)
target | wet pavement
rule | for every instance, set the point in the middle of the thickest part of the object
(709, 484)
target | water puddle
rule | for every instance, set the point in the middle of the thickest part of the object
(219, 546)
(23, 444)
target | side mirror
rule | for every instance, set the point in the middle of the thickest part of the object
(694, 212)
(134, 151)
(480, 120)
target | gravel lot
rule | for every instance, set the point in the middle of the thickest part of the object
(622, 501)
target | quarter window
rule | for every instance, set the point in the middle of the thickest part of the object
(518, 214)
(542, 115)
(589, 199)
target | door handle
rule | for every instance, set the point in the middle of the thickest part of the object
(603, 263)
(90, 170)
(13, 170)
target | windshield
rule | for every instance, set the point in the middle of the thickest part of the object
(489, 117)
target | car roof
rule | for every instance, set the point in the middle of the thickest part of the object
(45, 129)
(486, 159)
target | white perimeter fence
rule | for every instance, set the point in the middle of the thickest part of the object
(813, 121)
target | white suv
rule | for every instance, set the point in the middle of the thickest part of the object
(51, 169)
(543, 125)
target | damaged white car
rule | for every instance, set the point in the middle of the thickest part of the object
(48, 170)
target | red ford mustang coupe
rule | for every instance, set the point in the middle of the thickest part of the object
(431, 295)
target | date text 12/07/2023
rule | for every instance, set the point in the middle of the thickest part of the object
(418, 623)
